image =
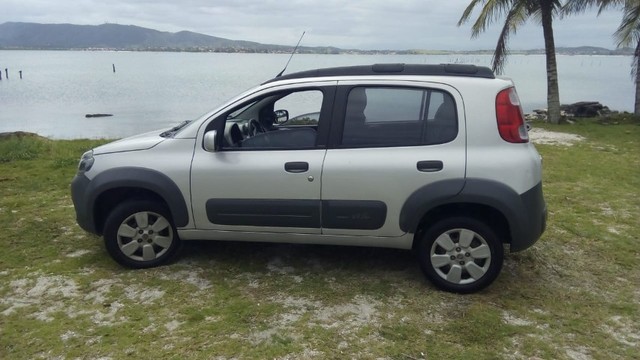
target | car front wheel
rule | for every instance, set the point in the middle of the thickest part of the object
(140, 234)
(460, 254)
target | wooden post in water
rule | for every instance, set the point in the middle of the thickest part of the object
(0, 75)
(20, 72)
(114, 68)
(6, 72)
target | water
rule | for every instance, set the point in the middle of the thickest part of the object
(155, 90)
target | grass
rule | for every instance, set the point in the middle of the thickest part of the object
(574, 295)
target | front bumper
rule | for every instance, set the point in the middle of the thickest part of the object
(84, 213)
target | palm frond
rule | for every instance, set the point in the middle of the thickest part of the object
(604, 4)
(492, 11)
(516, 16)
(499, 58)
(577, 6)
(629, 30)
(580, 6)
(468, 11)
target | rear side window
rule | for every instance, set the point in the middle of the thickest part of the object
(395, 116)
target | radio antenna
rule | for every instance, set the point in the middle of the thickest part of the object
(293, 52)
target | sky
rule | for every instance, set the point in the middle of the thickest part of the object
(354, 24)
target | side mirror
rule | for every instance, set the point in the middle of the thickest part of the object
(210, 141)
(282, 116)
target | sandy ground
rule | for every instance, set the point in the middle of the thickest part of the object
(546, 137)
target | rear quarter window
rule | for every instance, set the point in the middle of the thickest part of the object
(399, 116)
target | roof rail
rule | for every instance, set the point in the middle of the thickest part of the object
(394, 69)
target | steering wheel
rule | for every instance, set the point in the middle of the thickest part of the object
(255, 127)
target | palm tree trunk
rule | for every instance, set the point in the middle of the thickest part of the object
(553, 94)
(636, 59)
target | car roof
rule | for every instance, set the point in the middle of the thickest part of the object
(463, 70)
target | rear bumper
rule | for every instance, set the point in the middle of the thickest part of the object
(531, 221)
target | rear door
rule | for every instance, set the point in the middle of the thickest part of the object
(391, 139)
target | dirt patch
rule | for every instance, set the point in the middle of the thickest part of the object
(579, 353)
(49, 295)
(35, 292)
(350, 316)
(546, 137)
(172, 325)
(511, 319)
(142, 295)
(622, 330)
(79, 253)
(276, 265)
(100, 291)
(192, 276)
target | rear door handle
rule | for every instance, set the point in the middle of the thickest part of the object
(296, 167)
(430, 165)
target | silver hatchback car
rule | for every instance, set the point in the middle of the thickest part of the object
(434, 158)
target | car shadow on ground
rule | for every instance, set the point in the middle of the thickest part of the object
(300, 256)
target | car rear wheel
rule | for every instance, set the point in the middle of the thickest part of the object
(460, 254)
(141, 234)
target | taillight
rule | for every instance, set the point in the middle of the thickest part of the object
(509, 115)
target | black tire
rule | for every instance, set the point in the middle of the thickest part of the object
(141, 234)
(467, 258)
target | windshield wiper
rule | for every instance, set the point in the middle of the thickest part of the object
(171, 132)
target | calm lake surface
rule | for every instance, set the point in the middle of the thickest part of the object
(155, 90)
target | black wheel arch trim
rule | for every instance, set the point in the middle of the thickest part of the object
(426, 198)
(86, 192)
(525, 213)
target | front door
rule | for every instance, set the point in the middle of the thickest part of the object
(266, 175)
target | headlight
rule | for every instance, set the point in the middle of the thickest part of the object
(86, 161)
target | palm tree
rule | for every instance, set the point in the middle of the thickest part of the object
(627, 34)
(516, 13)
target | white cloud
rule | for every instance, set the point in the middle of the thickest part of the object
(367, 24)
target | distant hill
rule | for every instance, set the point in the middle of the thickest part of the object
(579, 50)
(33, 36)
(585, 50)
(16, 35)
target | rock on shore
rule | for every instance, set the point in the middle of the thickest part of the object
(581, 109)
(18, 134)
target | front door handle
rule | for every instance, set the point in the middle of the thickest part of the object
(296, 167)
(430, 165)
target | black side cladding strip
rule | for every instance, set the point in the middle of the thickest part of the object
(264, 212)
(336, 214)
(353, 214)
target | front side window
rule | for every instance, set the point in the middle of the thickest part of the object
(397, 116)
(303, 108)
(283, 120)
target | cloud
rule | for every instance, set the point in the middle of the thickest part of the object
(365, 24)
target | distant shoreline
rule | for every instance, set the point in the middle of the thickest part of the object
(116, 37)
(565, 51)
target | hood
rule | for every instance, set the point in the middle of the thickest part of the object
(134, 143)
